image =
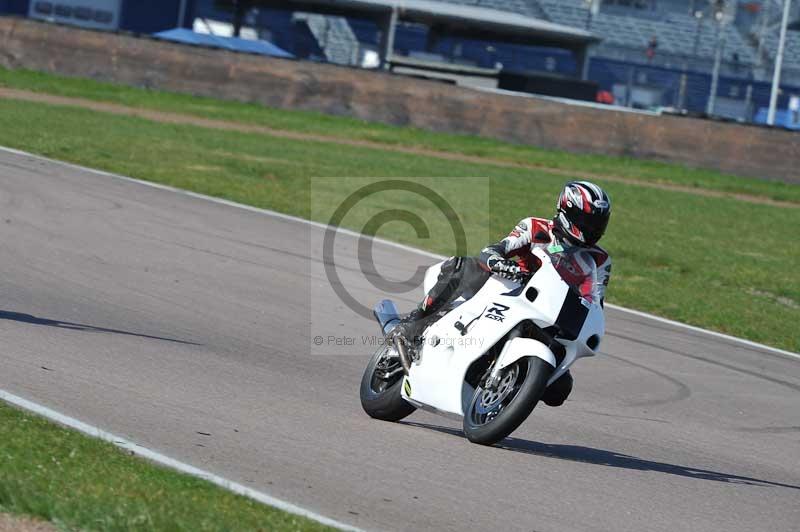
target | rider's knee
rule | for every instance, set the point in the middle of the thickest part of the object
(452, 271)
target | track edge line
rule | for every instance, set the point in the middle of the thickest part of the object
(171, 463)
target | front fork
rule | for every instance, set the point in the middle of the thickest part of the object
(494, 376)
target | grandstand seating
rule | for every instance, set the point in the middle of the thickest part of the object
(791, 55)
(335, 37)
(625, 33)
(676, 32)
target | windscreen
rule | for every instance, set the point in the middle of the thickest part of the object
(577, 268)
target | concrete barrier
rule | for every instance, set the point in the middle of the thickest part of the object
(382, 97)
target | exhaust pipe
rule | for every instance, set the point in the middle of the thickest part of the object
(405, 360)
(387, 315)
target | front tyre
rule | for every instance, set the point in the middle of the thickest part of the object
(381, 387)
(494, 414)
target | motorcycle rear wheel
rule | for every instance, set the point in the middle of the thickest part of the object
(494, 414)
(381, 397)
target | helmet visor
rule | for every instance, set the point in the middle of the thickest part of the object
(592, 225)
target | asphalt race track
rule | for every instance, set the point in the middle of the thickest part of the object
(186, 326)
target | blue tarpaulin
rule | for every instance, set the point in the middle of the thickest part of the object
(235, 44)
(784, 118)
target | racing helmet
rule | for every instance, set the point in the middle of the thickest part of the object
(582, 213)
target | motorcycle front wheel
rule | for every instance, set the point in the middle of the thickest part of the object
(381, 387)
(494, 414)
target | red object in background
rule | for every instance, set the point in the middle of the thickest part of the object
(605, 97)
(753, 7)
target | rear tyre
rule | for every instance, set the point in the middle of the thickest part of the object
(381, 387)
(494, 414)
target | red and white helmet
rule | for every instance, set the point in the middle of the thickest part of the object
(583, 210)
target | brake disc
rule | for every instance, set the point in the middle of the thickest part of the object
(491, 399)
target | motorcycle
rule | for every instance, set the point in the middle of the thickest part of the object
(489, 359)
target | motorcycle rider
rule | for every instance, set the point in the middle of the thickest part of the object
(582, 213)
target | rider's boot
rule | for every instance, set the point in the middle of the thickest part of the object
(557, 393)
(410, 326)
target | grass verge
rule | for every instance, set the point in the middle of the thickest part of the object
(80, 483)
(353, 129)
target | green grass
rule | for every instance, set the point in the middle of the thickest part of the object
(717, 263)
(316, 123)
(80, 483)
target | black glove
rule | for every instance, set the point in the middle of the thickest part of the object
(507, 269)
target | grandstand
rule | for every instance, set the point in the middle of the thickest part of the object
(631, 31)
(675, 73)
(791, 56)
(335, 37)
(684, 40)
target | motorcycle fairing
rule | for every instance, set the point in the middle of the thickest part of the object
(467, 332)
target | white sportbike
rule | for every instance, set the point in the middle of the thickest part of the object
(490, 358)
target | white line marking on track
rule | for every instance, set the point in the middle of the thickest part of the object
(177, 465)
(275, 214)
(723, 336)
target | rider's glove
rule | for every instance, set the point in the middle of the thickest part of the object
(508, 269)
